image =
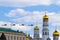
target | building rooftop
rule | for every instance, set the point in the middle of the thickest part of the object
(10, 30)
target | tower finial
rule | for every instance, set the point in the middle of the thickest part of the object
(36, 25)
(36, 22)
(55, 27)
(45, 11)
(45, 16)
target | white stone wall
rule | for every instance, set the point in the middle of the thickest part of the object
(55, 37)
(13, 36)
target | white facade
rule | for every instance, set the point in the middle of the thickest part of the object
(55, 37)
(13, 36)
(36, 34)
(45, 30)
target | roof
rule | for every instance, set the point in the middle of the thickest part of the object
(9, 30)
(45, 16)
(36, 28)
(55, 33)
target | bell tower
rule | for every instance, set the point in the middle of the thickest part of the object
(45, 30)
(36, 31)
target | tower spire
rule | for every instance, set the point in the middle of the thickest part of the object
(36, 30)
(55, 27)
(36, 22)
(45, 11)
(45, 30)
(45, 16)
(36, 25)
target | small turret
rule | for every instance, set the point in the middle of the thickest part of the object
(26, 36)
(45, 30)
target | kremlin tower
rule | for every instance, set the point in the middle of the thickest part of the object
(55, 35)
(45, 30)
(36, 33)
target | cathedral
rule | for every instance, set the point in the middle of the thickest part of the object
(45, 31)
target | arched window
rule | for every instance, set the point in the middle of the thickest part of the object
(43, 33)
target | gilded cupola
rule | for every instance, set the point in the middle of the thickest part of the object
(55, 33)
(26, 35)
(36, 28)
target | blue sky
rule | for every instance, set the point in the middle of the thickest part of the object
(27, 12)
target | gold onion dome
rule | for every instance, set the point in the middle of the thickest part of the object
(55, 33)
(36, 28)
(26, 35)
(45, 16)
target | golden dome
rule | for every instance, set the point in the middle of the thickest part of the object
(36, 28)
(55, 33)
(45, 16)
(26, 35)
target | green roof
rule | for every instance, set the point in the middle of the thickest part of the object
(9, 30)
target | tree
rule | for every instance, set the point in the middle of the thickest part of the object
(3, 37)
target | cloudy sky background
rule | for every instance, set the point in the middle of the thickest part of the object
(27, 12)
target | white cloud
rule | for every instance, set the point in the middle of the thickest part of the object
(21, 28)
(21, 15)
(57, 2)
(16, 27)
(24, 3)
(2, 24)
(16, 13)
